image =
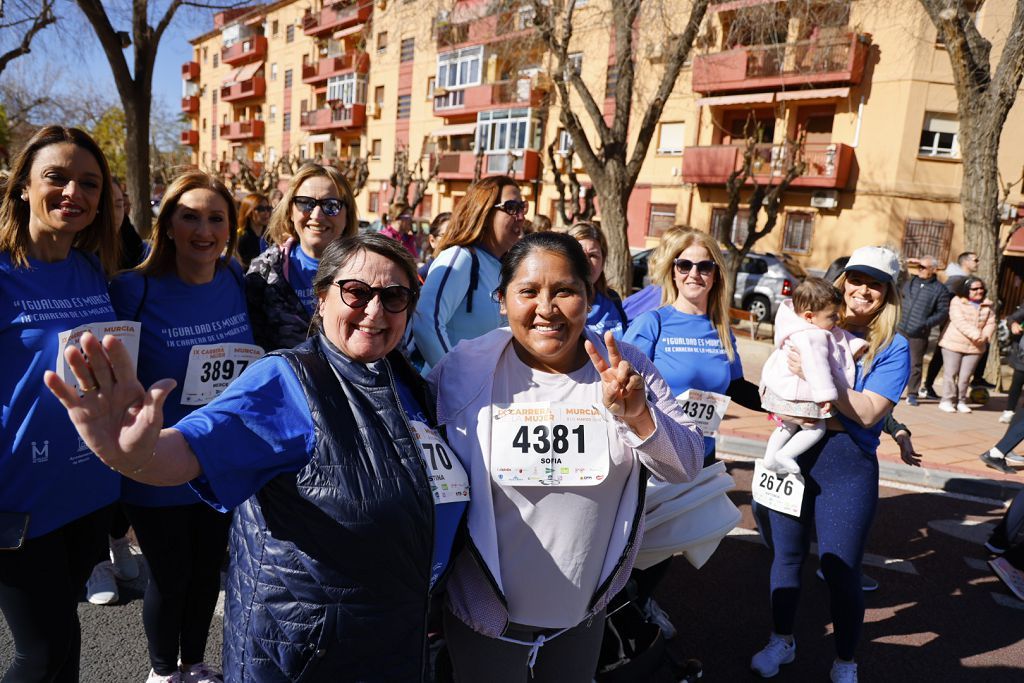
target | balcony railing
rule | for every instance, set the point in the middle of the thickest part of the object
(524, 165)
(828, 164)
(190, 105)
(348, 62)
(190, 71)
(251, 49)
(331, 118)
(835, 60)
(190, 137)
(252, 88)
(486, 29)
(520, 92)
(242, 130)
(336, 16)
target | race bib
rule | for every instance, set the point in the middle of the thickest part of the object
(780, 491)
(545, 444)
(126, 330)
(449, 482)
(212, 367)
(705, 408)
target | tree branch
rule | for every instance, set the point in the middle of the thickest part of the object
(39, 22)
(111, 44)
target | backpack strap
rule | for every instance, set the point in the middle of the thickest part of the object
(474, 278)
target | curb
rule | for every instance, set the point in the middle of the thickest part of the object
(939, 480)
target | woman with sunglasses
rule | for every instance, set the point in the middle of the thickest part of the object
(458, 294)
(606, 312)
(971, 325)
(253, 216)
(317, 208)
(347, 497)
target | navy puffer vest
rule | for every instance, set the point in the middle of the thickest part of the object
(330, 570)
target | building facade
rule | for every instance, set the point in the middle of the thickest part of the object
(860, 94)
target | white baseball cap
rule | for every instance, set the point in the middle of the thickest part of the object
(878, 262)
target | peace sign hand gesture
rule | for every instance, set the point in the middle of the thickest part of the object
(622, 387)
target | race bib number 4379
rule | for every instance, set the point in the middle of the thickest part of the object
(549, 444)
(705, 408)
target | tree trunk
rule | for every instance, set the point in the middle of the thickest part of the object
(136, 113)
(614, 223)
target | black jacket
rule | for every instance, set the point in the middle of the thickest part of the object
(279, 319)
(925, 305)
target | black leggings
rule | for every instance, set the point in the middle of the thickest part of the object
(1013, 395)
(40, 585)
(184, 546)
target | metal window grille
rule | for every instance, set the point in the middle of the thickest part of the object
(797, 235)
(737, 230)
(661, 218)
(408, 50)
(404, 106)
(923, 237)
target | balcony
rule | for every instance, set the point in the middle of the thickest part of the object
(190, 71)
(461, 165)
(334, 17)
(251, 49)
(190, 138)
(351, 61)
(828, 164)
(333, 118)
(241, 131)
(838, 60)
(190, 105)
(491, 28)
(520, 93)
(255, 87)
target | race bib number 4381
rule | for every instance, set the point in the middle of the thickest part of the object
(549, 444)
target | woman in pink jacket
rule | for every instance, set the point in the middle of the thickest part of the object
(971, 324)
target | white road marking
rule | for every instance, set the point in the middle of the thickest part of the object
(896, 564)
(973, 530)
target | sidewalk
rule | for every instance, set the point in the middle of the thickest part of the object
(949, 443)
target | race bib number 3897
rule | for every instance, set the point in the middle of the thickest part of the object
(549, 444)
(212, 367)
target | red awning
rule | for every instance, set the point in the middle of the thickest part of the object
(745, 98)
(1015, 246)
(814, 94)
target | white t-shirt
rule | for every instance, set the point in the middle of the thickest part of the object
(552, 542)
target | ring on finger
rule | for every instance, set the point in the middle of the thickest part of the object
(86, 390)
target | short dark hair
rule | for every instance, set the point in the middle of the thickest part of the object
(559, 243)
(964, 289)
(815, 294)
(339, 252)
(964, 256)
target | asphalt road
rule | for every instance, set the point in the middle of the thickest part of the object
(940, 614)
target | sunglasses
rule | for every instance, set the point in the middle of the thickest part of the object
(358, 294)
(267, 209)
(684, 266)
(513, 207)
(978, 289)
(330, 205)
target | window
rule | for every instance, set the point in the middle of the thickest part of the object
(303, 106)
(374, 203)
(382, 42)
(737, 231)
(524, 18)
(272, 114)
(923, 237)
(286, 121)
(662, 217)
(611, 81)
(205, 54)
(274, 28)
(459, 68)
(575, 63)
(408, 50)
(940, 136)
(216, 60)
(798, 232)
(273, 71)
(670, 138)
(564, 141)
(287, 78)
(375, 147)
(378, 97)
(503, 134)
(347, 89)
(204, 123)
(430, 86)
(404, 106)
(213, 132)
(289, 34)
(214, 96)
(271, 155)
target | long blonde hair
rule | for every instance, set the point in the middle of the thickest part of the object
(280, 227)
(882, 327)
(585, 230)
(674, 242)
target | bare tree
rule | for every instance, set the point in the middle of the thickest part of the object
(612, 168)
(28, 18)
(575, 201)
(405, 178)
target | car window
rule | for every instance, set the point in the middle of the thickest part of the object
(754, 266)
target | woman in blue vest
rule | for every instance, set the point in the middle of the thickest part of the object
(458, 294)
(347, 497)
(57, 240)
(190, 299)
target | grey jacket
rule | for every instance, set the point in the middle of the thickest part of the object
(925, 305)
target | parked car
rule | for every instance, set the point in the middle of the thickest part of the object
(640, 268)
(764, 282)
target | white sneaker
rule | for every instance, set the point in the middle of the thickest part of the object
(656, 615)
(202, 673)
(1006, 417)
(844, 672)
(777, 652)
(126, 567)
(922, 392)
(962, 407)
(154, 677)
(947, 406)
(101, 588)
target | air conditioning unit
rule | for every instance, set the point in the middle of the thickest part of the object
(1007, 211)
(372, 110)
(825, 199)
(655, 52)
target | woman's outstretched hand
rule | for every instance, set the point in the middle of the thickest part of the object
(622, 387)
(115, 416)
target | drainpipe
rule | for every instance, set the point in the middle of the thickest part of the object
(860, 117)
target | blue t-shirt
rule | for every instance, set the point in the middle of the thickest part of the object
(45, 469)
(888, 375)
(176, 316)
(605, 315)
(301, 271)
(687, 351)
(638, 303)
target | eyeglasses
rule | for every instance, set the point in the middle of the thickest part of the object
(684, 266)
(358, 294)
(332, 206)
(513, 207)
(267, 209)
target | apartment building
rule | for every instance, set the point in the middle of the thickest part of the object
(465, 87)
